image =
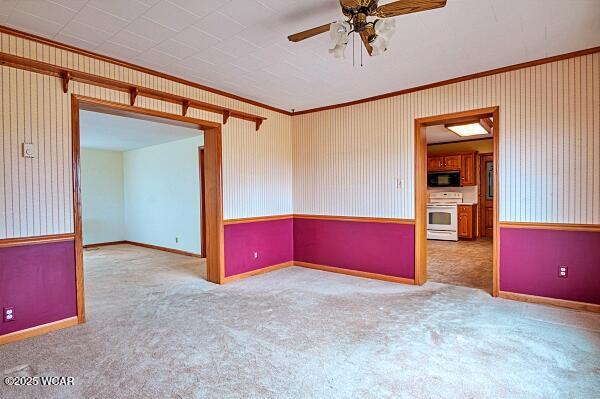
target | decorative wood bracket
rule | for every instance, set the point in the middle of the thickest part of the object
(66, 77)
(487, 124)
(133, 93)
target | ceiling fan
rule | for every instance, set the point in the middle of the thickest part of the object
(375, 34)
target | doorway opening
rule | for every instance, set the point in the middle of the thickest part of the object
(140, 183)
(146, 184)
(456, 236)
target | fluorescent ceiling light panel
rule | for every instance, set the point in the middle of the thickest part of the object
(470, 129)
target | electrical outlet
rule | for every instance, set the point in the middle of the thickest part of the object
(255, 255)
(8, 313)
(563, 271)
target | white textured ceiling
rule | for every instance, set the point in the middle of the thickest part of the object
(119, 133)
(241, 46)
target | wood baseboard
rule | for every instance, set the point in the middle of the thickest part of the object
(563, 303)
(104, 244)
(256, 272)
(38, 330)
(165, 249)
(141, 244)
(356, 273)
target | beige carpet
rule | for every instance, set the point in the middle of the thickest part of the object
(465, 263)
(157, 330)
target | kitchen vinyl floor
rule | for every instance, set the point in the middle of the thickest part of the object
(465, 263)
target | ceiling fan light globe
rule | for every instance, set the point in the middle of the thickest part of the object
(385, 27)
(338, 51)
(338, 32)
(379, 45)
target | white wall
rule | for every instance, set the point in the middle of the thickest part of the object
(162, 194)
(102, 196)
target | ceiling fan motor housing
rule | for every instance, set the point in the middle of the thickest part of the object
(353, 7)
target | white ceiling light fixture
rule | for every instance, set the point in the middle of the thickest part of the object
(467, 129)
(379, 44)
(375, 34)
(384, 30)
(339, 33)
(379, 33)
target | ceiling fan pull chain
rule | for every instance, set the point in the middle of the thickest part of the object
(353, 50)
(361, 60)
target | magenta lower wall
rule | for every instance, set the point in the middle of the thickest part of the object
(39, 281)
(273, 240)
(382, 248)
(529, 260)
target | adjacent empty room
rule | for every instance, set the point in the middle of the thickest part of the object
(141, 195)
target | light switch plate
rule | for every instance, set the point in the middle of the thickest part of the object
(29, 150)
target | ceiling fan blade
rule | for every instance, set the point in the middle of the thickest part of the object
(308, 33)
(407, 6)
(364, 35)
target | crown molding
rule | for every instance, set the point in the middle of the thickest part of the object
(496, 71)
(87, 53)
(53, 43)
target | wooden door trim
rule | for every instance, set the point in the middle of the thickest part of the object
(481, 194)
(212, 172)
(421, 188)
(202, 202)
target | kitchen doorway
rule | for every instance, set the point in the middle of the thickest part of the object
(456, 200)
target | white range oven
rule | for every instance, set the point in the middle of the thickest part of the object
(442, 216)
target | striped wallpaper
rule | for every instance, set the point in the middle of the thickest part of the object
(358, 160)
(36, 194)
(353, 161)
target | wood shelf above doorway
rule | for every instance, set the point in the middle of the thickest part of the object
(68, 75)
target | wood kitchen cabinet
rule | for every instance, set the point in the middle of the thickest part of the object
(449, 162)
(468, 177)
(467, 221)
(452, 162)
(461, 162)
(435, 163)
